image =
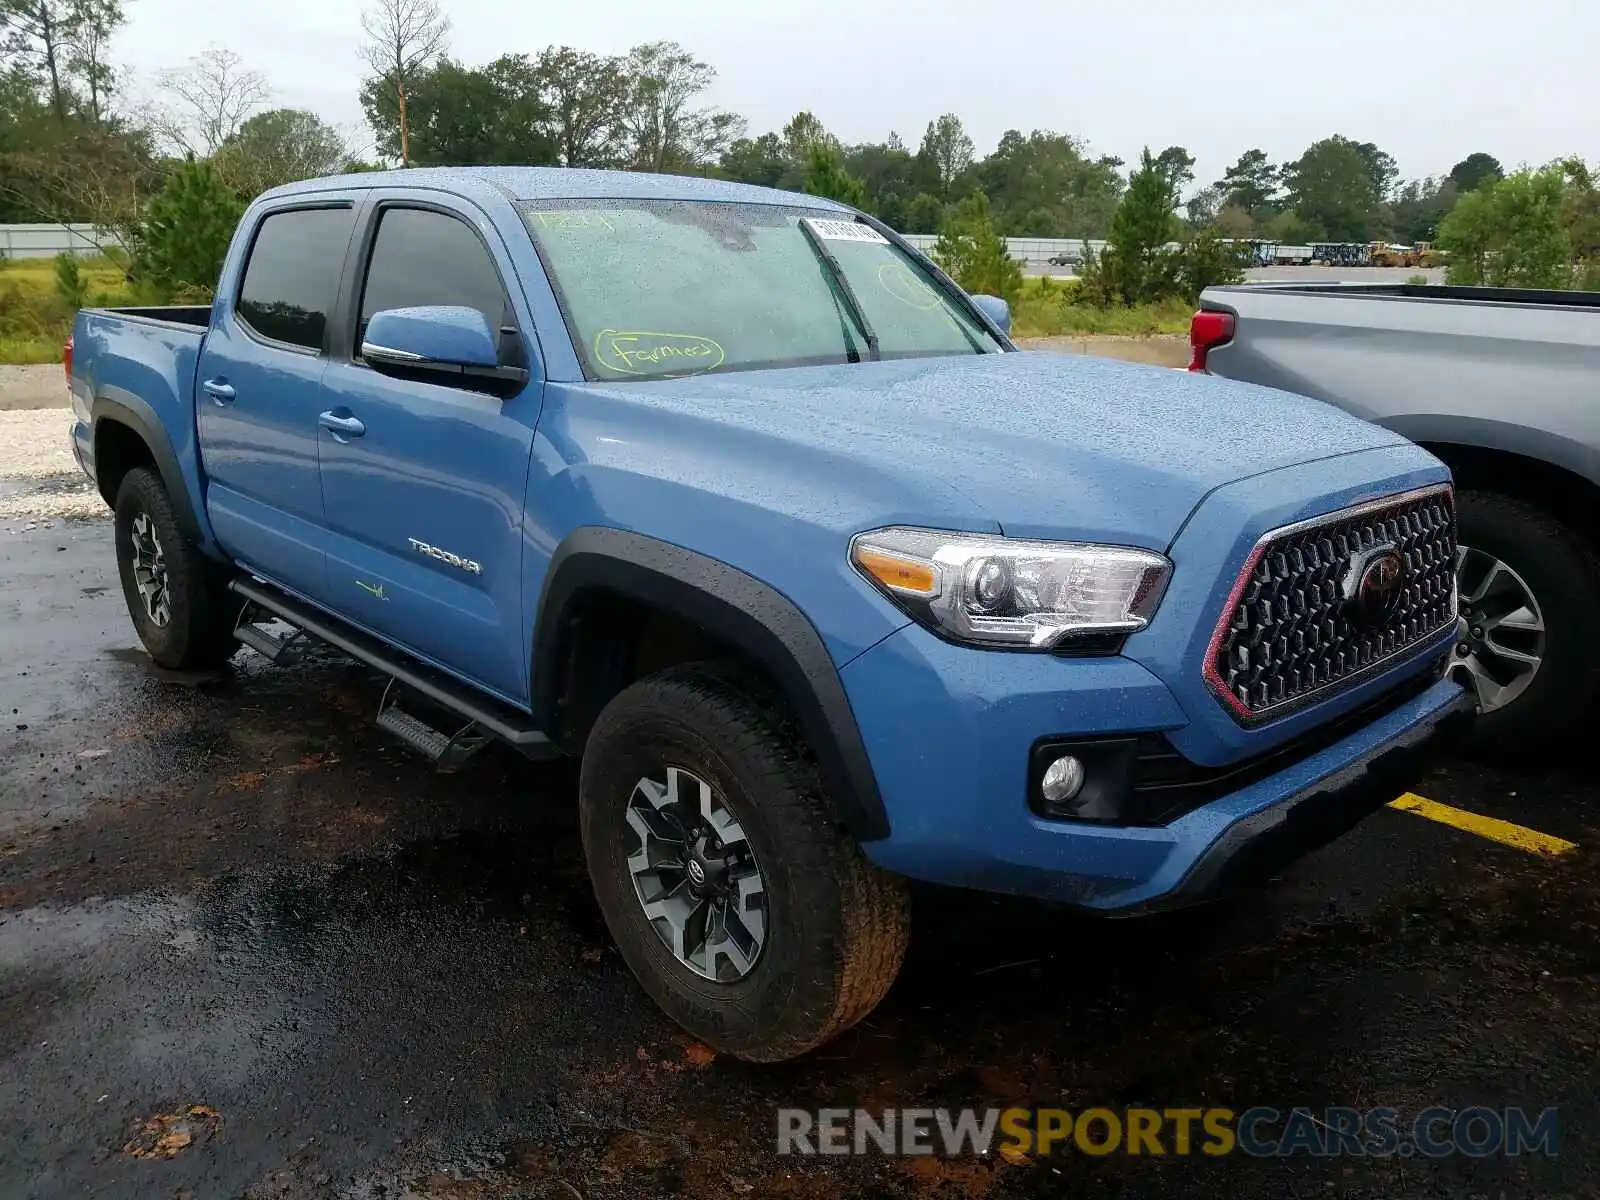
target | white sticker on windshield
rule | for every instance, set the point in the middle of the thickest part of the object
(844, 231)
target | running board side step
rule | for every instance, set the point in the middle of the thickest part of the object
(483, 714)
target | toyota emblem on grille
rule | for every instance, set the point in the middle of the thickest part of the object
(1374, 584)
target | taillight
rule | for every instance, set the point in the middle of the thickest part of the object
(1206, 330)
(66, 360)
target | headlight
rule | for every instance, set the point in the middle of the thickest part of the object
(997, 591)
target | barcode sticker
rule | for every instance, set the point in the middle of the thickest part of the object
(845, 231)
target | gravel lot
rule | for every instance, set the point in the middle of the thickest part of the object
(38, 475)
(38, 386)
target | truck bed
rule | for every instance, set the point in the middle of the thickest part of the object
(169, 314)
(1505, 368)
(1426, 292)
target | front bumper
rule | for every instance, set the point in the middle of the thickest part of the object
(949, 731)
(1255, 847)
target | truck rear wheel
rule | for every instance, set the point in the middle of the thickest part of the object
(747, 913)
(1530, 593)
(177, 599)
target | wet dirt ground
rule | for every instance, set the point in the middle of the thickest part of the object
(249, 947)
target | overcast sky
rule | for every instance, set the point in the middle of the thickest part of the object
(1427, 80)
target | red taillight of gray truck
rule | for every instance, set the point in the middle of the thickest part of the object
(1206, 330)
(66, 360)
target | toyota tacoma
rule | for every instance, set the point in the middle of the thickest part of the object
(737, 498)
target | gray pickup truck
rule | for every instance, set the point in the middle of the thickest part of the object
(1504, 386)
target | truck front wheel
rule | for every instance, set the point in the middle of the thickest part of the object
(1530, 593)
(177, 599)
(734, 896)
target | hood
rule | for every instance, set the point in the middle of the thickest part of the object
(1047, 445)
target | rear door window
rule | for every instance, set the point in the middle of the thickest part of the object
(293, 274)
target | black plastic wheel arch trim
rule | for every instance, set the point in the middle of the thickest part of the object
(736, 609)
(123, 407)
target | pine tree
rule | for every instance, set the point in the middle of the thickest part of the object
(826, 176)
(186, 230)
(973, 254)
(1137, 267)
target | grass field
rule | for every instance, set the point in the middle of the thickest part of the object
(1046, 309)
(34, 318)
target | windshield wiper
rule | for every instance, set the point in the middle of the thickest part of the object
(831, 261)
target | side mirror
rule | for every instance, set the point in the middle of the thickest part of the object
(997, 310)
(441, 340)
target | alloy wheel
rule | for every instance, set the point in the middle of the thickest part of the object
(150, 570)
(696, 875)
(1503, 644)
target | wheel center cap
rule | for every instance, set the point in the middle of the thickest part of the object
(697, 872)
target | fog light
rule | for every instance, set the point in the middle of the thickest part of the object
(1063, 779)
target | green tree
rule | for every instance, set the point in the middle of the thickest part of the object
(1202, 210)
(36, 37)
(756, 160)
(70, 283)
(1251, 184)
(973, 253)
(184, 237)
(1333, 186)
(81, 170)
(1178, 164)
(1137, 266)
(1235, 222)
(826, 176)
(459, 115)
(1580, 213)
(1290, 228)
(1206, 260)
(1418, 206)
(88, 57)
(586, 99)
(1381, 169)
(665, 130)
(1475, 170)
(280, 146)
(801, 136)
(925, 213)
(1510, 233)
(946, 150)
(1048, 185)
(889, 172)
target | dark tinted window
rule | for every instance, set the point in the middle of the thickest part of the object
(293, 274)
(423, 258)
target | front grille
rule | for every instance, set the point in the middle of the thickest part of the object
(1294, 629)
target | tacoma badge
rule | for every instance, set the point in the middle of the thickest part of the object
(444, 556)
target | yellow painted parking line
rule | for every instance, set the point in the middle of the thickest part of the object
(1503, 832)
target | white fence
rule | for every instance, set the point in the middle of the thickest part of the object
(1033, 251)
(47, 241)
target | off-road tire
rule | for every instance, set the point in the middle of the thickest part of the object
(199, 632)
(1560, 569)
(836, 926)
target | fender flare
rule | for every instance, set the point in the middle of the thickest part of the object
(118, 404)
(741, 611)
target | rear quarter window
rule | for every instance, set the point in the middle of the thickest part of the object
(293, 273)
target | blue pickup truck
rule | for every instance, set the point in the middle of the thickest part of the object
(736, 497)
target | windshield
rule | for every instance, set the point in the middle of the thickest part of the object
(654, 289)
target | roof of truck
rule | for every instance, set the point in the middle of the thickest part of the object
(559, 183)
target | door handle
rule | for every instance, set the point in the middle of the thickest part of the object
(341, 427)
(219, 391)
